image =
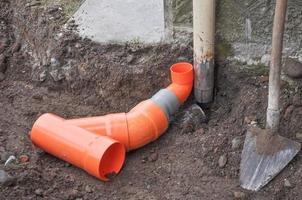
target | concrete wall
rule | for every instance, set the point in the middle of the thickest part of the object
(246, 25)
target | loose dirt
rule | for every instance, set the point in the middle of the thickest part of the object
(49, 69)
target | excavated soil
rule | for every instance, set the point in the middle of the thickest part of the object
(46, 68)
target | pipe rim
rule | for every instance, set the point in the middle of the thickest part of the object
(112, 160)
(181, 68)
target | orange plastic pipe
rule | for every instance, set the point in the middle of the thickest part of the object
(97, 144)
(100, 156)
(146, 121)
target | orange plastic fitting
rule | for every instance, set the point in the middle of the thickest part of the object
(149, 119)
(100, 156)
(97, 144)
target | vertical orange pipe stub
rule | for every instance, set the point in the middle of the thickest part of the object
(182, 76)
(182, 73)
(98, 155)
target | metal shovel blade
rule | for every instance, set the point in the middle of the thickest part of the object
(264, 155)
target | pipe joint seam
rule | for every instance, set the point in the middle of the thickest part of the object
(167, 101)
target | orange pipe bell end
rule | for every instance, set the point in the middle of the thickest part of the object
(182, 76)
(98, 155)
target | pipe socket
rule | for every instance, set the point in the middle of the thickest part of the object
(98, 155)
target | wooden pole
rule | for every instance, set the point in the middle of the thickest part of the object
(273, 110)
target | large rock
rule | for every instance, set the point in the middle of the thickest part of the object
(293, 68)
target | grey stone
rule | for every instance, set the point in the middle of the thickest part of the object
(293, 68)
(239, 195)
(54, 62)
(6, 179)
(236, 143)
(287, 183)
(130, 58)
(88, 189)
(39, 192)
(299, 136)
(222, 161)
(153, 157)
(42, 76)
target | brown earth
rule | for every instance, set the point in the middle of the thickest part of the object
(48, 69)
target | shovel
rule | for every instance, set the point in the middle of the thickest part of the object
(265, 153)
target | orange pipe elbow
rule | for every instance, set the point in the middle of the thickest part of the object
(97, 144)
(149, 119)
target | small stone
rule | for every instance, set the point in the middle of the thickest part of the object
(24, 158)
(39, 192)
(250, 119)
(153, 157)
(33, 4)
(299, 136)
(247, 120)
(130, 59)
(2, 76)
(293, 68)
(222, 161)
(288, 111)
(236, 143)
(42, 76)
(6, 179)
(78, 45)
(287, 183)
(54, 62)
(254, 122)
(239, 195)
(88, 189)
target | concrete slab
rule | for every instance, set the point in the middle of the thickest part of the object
(121, 20)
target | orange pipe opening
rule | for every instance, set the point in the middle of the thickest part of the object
(97, 144)
(100, 156)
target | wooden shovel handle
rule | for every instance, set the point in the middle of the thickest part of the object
(273, 110)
